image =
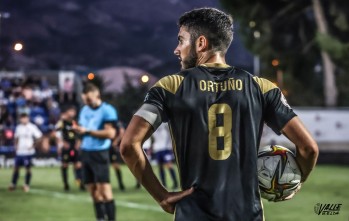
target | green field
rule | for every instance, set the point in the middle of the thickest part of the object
(47, 201)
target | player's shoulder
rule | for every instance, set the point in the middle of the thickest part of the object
(59, 125)
(264, 84)
(171, 82)
(31, 125)
(19, 126)
(108, 108)
(84, 108)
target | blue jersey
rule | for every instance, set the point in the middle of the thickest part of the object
(94, 119)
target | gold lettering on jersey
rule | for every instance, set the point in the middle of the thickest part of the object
(222, 131)
(230, 84)
(210, 86)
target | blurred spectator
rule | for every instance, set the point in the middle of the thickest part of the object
(44, 83)
(37, 96)
(6, 85)
(68, 89)
(27, 92)
(31, 95)
(53, 111)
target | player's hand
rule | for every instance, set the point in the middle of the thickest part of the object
(78, 129)
(169, 203)
(66, 145)
(290, 196)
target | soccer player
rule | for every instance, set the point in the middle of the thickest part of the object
(27, 135)
(67, 149)
(161, 150)
(216, 114)
(97, 120)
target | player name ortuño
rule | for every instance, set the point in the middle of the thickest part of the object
(230, 84)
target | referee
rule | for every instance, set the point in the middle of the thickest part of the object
(97, 122)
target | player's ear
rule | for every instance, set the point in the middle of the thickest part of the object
(201, 43)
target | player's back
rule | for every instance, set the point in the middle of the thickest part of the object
(216, 114)
(217, 125)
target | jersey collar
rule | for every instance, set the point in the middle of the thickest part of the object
(215, 65)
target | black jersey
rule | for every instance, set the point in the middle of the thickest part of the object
(68, 134)
(216, 114)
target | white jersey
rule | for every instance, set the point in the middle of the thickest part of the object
(26, 135)
(162, 138)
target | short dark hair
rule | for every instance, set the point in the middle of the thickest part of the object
(89, 87)
(212, 23)
(23, 114)
(67, 107)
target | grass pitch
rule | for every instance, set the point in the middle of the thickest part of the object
(48, 202)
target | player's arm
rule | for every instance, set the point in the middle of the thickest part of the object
(280, 117)
(77, 143)
(16, 144)
(59, 142)
(38, 137)
(307, 149)
(131, 151)
(108, 131)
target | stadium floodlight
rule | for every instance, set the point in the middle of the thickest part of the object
(145, 78)
(91, 76)
(18, 47)
(275, 62)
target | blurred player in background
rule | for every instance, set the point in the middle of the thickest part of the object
(27, 136)
(161, 149)
(114, 153)
(114, 156)
(67, 146)
(216, 114)
(97, 121)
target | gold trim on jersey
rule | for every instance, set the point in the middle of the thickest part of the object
(264, 84)
(170, 83)
(215, 65)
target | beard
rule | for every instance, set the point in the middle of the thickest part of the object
(191, 59)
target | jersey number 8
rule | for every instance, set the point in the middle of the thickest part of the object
(219, 131)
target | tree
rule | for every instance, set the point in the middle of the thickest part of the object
(329, 68)
(286, 31)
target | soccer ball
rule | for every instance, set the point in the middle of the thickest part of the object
(278, 173)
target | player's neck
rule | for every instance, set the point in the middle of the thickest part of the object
(211, 58)
(97, 104)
